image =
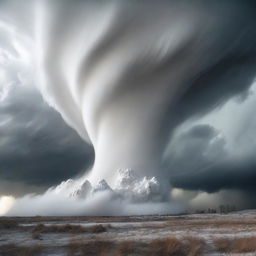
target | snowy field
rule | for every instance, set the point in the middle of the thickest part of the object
(195, 234)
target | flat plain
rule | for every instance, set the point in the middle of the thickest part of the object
(192, 235)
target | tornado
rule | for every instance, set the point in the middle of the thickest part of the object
(125, 74)
(118, 71)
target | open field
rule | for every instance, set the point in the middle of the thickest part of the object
(196, 234)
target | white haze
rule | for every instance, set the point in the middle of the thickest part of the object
(131, 195)
(114, 70)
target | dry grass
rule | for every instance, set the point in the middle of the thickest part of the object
(109, 248)
(67, 228)
(91, 219)
(134, 248)
(189, 246)
(94, 248)
(236, 245)
(167, 246)
(211, 223)
(222, 244)
(128, 248)
(244, 245)
(161, 247)
(195, 246)
(14, 250)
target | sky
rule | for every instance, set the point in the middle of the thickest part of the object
(209, 157)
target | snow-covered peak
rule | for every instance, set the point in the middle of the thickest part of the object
(65, 186)
(102, 186)
(128, 186)
(82, 192)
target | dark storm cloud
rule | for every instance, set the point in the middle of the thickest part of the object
(199, 161)
(37, 147)
(194, 151)
(229, 75)
(225, 79)
(224, 175)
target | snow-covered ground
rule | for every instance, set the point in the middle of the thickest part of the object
(206, 227)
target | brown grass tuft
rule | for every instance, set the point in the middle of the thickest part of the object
(243, 245)
(189, 246)
(236, 245)
(222, 244)
(195, 246)
(167, 246)
(126, 248)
